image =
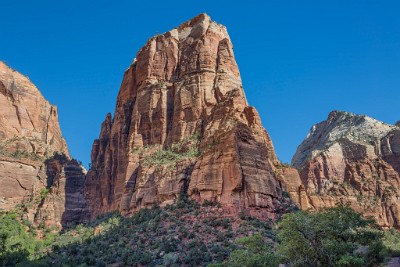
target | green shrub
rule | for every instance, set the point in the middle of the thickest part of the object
(169, 156)
(17, 245)
(330, 237)
(170, 259)
(253, 251)
(43, 193)
(391, 241)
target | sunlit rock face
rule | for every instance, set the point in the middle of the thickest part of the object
(352, 159)
(182, 126)
(30, 135)
(25, 113)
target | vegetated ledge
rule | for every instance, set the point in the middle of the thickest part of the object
(156, 155)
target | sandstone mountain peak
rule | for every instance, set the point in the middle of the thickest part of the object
(35, 169)
(24, 112)
(188, 32)
(200, 19)
(354, 159)
(182, 126)
(194, 28)
(340, 126)
(14, 81)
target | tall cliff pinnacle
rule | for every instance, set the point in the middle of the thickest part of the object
(182, 125)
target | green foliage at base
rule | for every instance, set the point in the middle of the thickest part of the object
(188, 234)
(18, 242)
(391, 241)
(254, 251)
(183, 234)
(332, 237)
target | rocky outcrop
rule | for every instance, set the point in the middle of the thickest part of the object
(65, 201)
(182, 125)
(24, 113)
(352, 159)
(30, 137)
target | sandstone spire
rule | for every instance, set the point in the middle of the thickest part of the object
(182, 125)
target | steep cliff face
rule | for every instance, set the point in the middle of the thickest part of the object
(65, 202)
(182, 125)
(24, 113)
(352, 159)
(30, 135)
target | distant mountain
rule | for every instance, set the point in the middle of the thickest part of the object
(352, 159)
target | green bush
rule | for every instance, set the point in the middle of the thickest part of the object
(391, 241)
(17, 245)
(330, 237)
(253, 251)
(187, 234)
(168, 156)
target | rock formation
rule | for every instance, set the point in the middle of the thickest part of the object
(182, 125)
(65, 201)
(352, 159)
(30, 136)
(25, 114)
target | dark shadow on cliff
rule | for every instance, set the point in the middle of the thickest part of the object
(65, 187)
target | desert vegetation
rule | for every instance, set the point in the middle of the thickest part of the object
(190, 234)
(156, 155)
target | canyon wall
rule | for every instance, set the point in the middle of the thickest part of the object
(30, 138)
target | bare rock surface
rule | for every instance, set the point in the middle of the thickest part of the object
(24, 112)
(30, 138)
(182, 126)
(65, 202)
(352, 159)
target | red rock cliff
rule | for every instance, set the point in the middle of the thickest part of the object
(352, 159)
(182, 125)
(30, 136)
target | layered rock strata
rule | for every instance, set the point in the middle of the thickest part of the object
(65, 201)
(30, 136)
(352, 159)
(182, 126)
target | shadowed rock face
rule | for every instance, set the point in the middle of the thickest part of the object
(352, 159)
(65, 202)
(29, 136)
(182, 125)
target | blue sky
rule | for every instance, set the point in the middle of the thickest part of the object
(299, 60)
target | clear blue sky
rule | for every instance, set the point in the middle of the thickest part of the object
(298, 59)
